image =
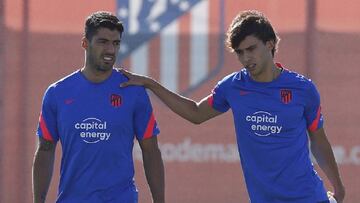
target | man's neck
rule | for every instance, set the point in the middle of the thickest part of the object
(94, 75)
(269, 74)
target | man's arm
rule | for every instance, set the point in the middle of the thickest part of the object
(324, 155)
(42, 169)
(154, 168)
(183, 106)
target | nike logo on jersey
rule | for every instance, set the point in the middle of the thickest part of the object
(69, 101)
(243, 92)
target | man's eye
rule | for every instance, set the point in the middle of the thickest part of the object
(237, 51)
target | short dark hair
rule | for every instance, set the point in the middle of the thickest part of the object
(101, 19)
(250, 22)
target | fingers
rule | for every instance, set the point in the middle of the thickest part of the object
(329, 193)
(332, 197)
(125, 72)
(124, 84)
(133, 79)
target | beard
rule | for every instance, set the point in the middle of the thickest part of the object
(99, 65)
(97, 62)
(104, 68)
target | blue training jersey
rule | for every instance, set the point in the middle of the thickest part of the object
(96, 124)
(271, 122)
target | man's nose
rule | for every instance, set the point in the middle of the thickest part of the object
(110, 48)
(246, 56)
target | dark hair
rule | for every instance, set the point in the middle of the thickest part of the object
(101, 19)
(250, 22)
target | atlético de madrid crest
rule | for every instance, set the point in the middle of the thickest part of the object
(179, 43)
(286, 96)
(115, 100)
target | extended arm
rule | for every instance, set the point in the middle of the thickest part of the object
(323, 153)
(42, 169)
(183, 106)
(154, 168)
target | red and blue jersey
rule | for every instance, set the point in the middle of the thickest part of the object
(271, 122)
(96, 124)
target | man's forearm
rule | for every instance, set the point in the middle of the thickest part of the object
(42, 173)
(195, 112)
(183, 106)
(154, 171)
(324, 155)
(326, 160)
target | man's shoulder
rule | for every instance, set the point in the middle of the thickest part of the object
(119, 78)
(234, 76)
(297, 79)
(234, 79)
(59, 87)
(66, 81)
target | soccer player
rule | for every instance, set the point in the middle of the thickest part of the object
(96, 122)
(276, 112)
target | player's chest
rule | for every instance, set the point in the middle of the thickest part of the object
(114, 105)
(268, 104)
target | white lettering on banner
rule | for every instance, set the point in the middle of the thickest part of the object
(347, 155)
(186, 151)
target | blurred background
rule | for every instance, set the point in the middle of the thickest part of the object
(181, 44)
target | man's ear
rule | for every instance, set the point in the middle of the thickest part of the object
(270, 44)
(84, 43)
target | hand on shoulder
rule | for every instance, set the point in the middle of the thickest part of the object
(134, 79)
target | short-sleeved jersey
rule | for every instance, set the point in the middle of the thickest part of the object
(271, 122)
(96, 124)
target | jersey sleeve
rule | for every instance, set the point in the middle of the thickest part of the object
(313, 115)
(144, 120)
(217, 98)
(47, 126)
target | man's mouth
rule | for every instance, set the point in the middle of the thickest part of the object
(250, 66)
(108, 58)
